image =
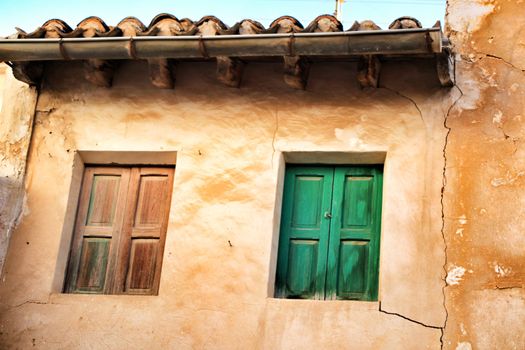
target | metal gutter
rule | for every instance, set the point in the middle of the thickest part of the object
(378, 42)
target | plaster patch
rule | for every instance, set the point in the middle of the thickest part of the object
(462, 328)
(471, 94)
(509, 179)
(463, 220)
(455, 275)
(459, 232)
(498, 116)
(351, 138)
(464, 346)
(501, 271)
(467, 16)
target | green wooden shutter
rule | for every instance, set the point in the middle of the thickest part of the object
(301, 267)
(353, 256)
(334, 256)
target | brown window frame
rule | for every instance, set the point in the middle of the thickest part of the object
(112, 256)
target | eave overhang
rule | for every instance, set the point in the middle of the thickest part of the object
(168, 40)
(405, 42)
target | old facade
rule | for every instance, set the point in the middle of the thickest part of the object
(450, 261)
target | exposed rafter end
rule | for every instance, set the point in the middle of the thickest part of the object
(162, 72)
(368, 69)
(445, 69)
(99, 72)
(229, 71)
(296, 69)
(27, 72)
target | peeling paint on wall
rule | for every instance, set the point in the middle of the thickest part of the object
(485, 175)
(455, 275)
(17, 101)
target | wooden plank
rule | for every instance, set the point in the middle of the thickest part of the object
(357, 201)
(301, 279)
(296, 70)
(353, 274)
(103, 200)
(93, 265)
(229, 71)
(142, 266)
(368, 71)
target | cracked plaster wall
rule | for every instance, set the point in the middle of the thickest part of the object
(230, 145)
(484, 197)
(17, 106)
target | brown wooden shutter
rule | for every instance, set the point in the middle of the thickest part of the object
(145, 228)
(120, 230)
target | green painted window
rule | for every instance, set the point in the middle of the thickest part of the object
(330, 233)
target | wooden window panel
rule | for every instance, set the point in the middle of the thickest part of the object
(120, 230)
(145, 229)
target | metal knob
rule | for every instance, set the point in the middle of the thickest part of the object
(327, 215)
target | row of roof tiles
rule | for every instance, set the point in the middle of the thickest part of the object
(168, 25)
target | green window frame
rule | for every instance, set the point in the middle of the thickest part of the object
(330, 233)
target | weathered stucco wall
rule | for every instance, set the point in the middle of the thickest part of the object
(230, 146)
(17, 107)
(485, 184)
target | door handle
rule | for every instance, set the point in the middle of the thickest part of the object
(327, 215)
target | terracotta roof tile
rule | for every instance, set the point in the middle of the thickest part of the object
(166, 24)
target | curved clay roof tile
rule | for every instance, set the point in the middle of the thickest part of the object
(244, 27)
(324, 24)
(131, 26)
(92, 26)
(210, 25)
(249, 26)
(160, 17)
(167, 27)
(53, 28)
(286, 24)
(405, 23)
(365, 25)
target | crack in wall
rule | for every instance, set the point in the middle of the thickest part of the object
(407, 98)
(488, 55)
(275, 134)
(29, 302)
(409, 319)
(444, 184)
(509, 287)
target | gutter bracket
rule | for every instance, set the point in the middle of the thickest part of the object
(132, 51)
(63, 51)
(202, 48)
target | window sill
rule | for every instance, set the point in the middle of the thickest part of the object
(348, 304)
(66, 298)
